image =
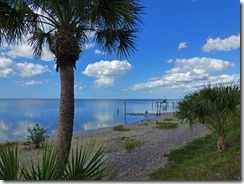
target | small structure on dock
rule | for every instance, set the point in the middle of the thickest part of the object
(161, 102)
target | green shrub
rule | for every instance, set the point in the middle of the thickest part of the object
(37, 135)
(216, 106)
(166, 125)
(131, 144)
(120, 128)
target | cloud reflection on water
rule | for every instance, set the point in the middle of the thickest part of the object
(16, 131)
(101, 120)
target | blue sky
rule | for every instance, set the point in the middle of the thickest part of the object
(182, 45)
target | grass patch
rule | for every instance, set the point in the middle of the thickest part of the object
(166, 125)
(200, 160)
(8, 144)
(131, 144)
(168, 119)
(120, 128)
(143, 124)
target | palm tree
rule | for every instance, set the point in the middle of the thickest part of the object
(215, 106)
(64, 25)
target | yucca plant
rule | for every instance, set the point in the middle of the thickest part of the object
(9, 163)
(83, 164)
(48, 169)
(214, 106)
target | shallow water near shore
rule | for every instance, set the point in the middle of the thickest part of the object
(16, 115)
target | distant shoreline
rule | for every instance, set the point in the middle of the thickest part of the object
(89, 114)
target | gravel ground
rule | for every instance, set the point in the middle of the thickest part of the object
(147, 158)
(137, 164)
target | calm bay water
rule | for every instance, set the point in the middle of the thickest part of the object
(16, 115)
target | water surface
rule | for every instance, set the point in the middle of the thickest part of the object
(16, 115)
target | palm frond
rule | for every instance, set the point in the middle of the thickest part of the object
(121, 41)
(215, 106)
(116, 22)
(39, 39)
(86, 165)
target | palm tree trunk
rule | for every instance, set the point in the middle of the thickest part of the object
(222, 143)
(66, 112)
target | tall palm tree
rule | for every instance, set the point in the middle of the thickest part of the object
(64, 25)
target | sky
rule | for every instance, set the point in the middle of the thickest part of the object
(181, 46)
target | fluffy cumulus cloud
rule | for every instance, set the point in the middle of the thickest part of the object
(182, 45)
(24, 50)
(24, 69)
(30, 69)
(106, 72)
(190, 74)
(218, 44)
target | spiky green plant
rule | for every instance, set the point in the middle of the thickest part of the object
(214, 106)
(84, 164)
(9, 163)
(48, 169)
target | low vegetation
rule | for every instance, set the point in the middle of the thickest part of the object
(37, 135)
(202, 159)
(120, 128)
(167, 123)
(8, 144)
(131, 144)
(84, 164)
(143, 124)
(217, 106)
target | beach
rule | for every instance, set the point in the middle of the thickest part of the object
(148, 157)
(144, 159)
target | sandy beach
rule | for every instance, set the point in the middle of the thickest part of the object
(146, 158)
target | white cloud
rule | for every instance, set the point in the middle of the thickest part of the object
(88, 46)
(5, 72)
(47, 55)
(99, 52)
(5, 62)
(189, 74)
(106, 72)
(170, 61)
(104, 81)
(79, 86)
(20, 50)
(30, 69)
(9, 67)
(218, 44)
(24, 50)
(32, 83)
(182, 45)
